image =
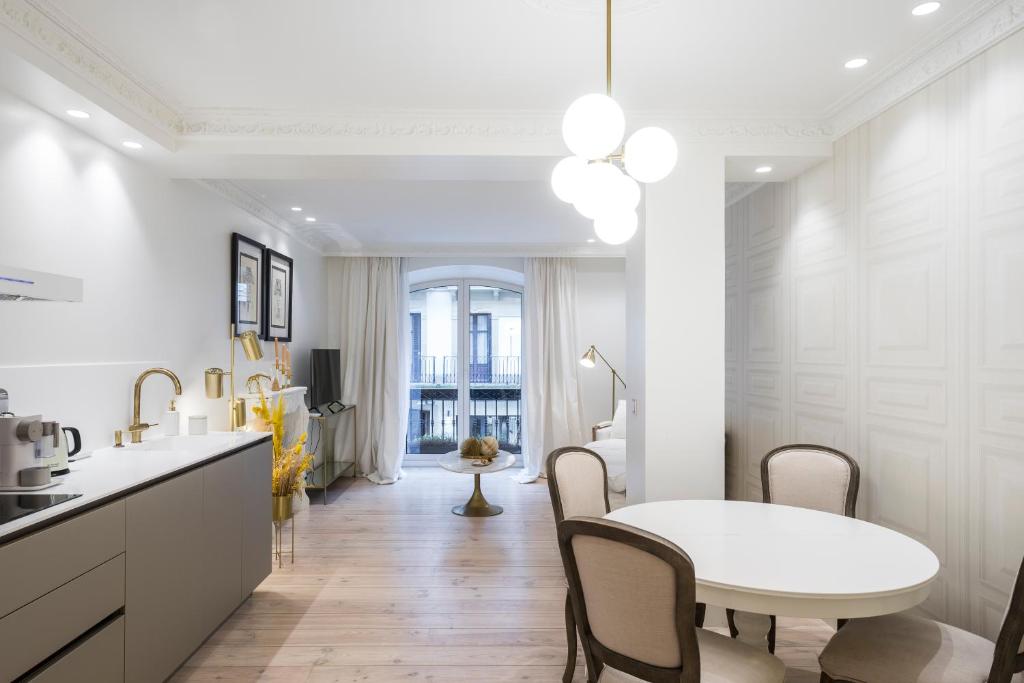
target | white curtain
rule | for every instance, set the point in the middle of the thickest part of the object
(368, 319)
(552, 405)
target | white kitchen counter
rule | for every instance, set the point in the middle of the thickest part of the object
(111, 473)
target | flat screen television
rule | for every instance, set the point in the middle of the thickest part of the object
(325, 380)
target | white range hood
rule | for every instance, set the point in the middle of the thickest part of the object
(19, 284)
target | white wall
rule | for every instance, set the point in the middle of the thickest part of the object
(601, 304)
(676, 332)
(875, 305)
(155, 257)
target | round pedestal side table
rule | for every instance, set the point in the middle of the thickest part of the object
(477, 505)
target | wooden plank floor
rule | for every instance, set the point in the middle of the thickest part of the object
(388, 585)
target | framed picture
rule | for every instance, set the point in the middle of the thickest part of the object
(247, 286)
(277, 283)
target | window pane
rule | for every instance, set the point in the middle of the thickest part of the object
(495, 382)
(433, 373)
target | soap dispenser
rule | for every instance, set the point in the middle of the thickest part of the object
(171, 423)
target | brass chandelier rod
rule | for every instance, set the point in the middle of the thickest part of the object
(608, 47)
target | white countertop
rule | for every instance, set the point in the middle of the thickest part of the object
(112, 472)
(788, 561)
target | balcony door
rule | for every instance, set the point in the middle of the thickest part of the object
(465, 366)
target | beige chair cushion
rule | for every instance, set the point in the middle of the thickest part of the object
(581, 483)
(631, 600)
(900, 648)
(722, 660)
(813, 479)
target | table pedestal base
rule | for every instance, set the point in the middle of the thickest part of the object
(477, 505)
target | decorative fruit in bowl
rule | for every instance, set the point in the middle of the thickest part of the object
(471, 448)
(489, 446)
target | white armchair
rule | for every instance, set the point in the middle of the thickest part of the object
(601, 431)
(610, 443)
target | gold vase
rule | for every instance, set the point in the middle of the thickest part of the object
(282, 508)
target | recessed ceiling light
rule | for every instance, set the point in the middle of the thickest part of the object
(925, 8)
(310, 219)
(296, 208)
(763, 169)
(856, 63)
(591, 240)
(131, 144)
(77, 114)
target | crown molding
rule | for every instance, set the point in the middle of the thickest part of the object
(981, 26)
(759, 128)
(274, 123)
(316, 238)
(51, 34)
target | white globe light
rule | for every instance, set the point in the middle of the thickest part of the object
(567, 178)
(627, 193)
(597, 189)
(616, 227)
(593, 126)
(650, 154)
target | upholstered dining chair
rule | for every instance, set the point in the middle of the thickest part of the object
(807, 476)
(578, 485)
(900, 648)
(633, 596)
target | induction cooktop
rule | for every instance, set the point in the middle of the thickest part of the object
(16, 505)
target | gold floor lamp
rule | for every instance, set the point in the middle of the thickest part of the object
(588, 360)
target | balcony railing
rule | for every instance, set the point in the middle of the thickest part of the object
(441, 370)
(434, 418)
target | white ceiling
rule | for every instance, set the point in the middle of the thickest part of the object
(403, 215)
(723, 57)
(408, 125)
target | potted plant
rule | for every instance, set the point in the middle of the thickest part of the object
(290, 464)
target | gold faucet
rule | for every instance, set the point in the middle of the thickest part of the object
(137, 427)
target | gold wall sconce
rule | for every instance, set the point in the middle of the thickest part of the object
(215, 376)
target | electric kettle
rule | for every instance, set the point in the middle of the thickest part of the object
(59, 462)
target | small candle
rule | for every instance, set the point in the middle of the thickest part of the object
(277, 361)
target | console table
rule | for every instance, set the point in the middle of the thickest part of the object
(327, 465)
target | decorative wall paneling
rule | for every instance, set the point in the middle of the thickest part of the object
(875, 304)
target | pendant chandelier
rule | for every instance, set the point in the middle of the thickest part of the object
(592, 180)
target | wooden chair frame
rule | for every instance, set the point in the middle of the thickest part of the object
(849, 510)
(685, 608)
(1006, 660)
(556, 505)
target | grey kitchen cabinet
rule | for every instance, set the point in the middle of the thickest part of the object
(221, 534)
(29, 636)
(163, 586)
(99, 657)
(128, 590)
(256, 519)
(197, 545)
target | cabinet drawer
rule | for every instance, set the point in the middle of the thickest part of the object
(100, 657)
(36, 564)
(32, 634)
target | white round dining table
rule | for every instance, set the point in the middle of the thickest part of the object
(788, 561)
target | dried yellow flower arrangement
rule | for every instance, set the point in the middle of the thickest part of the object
(289, 463)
